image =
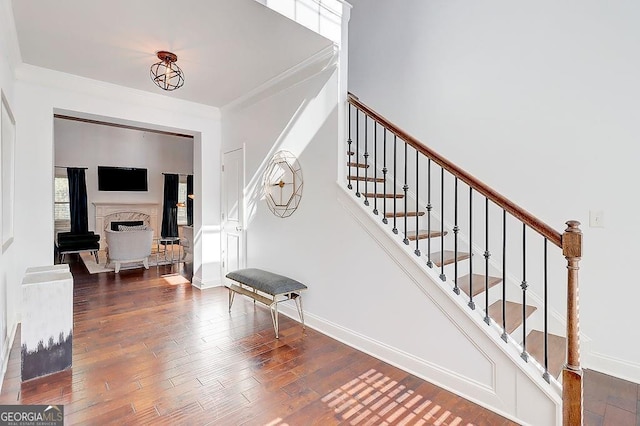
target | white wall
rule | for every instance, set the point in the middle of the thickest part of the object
(540, 101)
(357, 291)
(81, 144)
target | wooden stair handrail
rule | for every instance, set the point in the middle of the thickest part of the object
(516, 211)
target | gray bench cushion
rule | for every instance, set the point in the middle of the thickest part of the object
(265, 281)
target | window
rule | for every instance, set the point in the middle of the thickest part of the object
(182, 201)
(61, 211)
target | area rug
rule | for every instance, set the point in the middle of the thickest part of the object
(95, 268)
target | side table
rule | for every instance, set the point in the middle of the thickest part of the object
(166, 242)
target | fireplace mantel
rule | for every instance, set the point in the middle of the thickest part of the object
(104, 209)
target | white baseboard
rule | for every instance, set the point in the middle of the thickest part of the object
(7, 351)
(198, 283)
(612, 366)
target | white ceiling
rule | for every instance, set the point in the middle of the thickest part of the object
(226, 48)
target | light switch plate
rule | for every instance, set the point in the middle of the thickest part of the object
(596, 218)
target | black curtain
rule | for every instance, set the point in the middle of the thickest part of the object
(189, 200)
(78, 200)
(170, 206)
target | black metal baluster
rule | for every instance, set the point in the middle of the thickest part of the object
(524, 355)
(417, 250)
(487, 255)
(456, 289)
(349, 153)
(546, 317)
(395, 183)
(405, 188)
(384, 176)
(504, 336)
(356, 163)
(375, 167)
(472, 304)
(429, 207)
(366, 159)
(443, 277)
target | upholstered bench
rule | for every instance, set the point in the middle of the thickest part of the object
(267, 288)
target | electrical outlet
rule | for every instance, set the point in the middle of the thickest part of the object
(596, 218)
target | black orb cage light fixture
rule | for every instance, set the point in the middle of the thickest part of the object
(166, 74)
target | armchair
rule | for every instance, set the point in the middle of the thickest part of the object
(128, 246)
(69, 242)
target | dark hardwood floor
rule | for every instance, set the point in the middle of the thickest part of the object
(610, 401)
(151, 349)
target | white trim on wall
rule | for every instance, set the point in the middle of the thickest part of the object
(617, 367)
(310, 67)
(8, 147)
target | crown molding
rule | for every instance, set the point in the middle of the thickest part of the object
(312, 66)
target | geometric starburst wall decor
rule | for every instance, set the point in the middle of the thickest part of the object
(283, 184)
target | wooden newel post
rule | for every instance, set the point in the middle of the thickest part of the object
(572, 373)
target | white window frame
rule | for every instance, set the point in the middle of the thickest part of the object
(61, 224)
(182, 198)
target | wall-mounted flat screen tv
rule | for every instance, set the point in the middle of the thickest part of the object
(122, 179)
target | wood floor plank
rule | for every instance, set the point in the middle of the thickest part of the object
(263, 406)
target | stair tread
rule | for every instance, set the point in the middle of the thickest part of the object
(423, 234)
(368, 179)
(402, 214)
(478, 283)
(382, 195)
(449, 257)
(557, 350)
(513, 314)
(361, 165)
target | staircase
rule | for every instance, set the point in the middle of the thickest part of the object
(469, 240)
(473, 286)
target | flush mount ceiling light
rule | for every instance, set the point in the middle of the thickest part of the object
(166, 74)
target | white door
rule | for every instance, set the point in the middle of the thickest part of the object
(233, 247)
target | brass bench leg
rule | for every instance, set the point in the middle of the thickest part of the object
(231, 297)
(298, 299)
(274, 315)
